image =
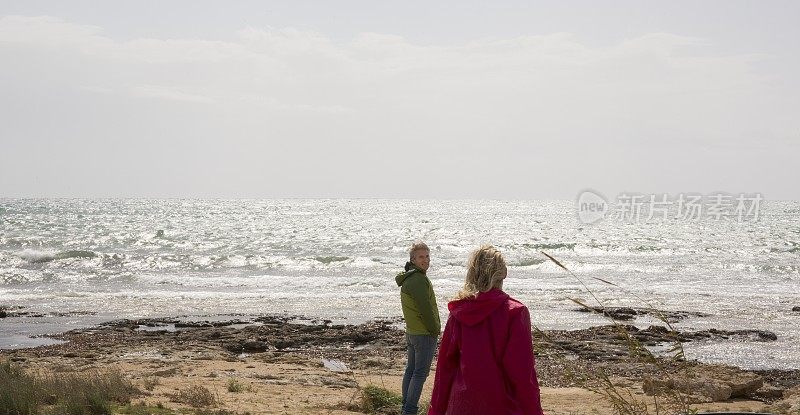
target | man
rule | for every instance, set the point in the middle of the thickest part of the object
(422, 323)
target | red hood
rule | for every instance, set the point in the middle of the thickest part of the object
(472, 311)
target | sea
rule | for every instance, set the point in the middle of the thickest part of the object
(73, 263)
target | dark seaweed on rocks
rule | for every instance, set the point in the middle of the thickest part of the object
(630, 313)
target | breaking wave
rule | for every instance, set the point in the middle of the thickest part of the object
(37, 257)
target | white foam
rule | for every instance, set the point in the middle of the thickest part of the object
(34, 255)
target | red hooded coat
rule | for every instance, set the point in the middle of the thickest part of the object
(486, 364)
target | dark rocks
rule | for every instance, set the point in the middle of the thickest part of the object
(10, 311)
(629, 313)
(363, 336)
(16, 312)
(202, 324)
(715, 334)
(72, 313)
(658, 330)
(283, 344)
(796, 309)
(782, 378)
(193, 324)
(247, 346)
(621, 342)
(604, 343)
(234, 347)
(766, 335)
(622, 313)
(662, 334)
(255, 346)
(287, 334)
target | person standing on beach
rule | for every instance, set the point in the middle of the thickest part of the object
(422, 323)
(486, 364)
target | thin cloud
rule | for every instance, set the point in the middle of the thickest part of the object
(162, 92)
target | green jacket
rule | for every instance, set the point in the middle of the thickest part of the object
(419, 303)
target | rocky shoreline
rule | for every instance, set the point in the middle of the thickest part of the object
(169, 347)
(291, 355)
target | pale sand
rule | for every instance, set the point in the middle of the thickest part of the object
(292, 384)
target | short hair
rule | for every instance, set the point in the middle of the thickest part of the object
(417, 246)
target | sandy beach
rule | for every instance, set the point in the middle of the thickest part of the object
(276, 365)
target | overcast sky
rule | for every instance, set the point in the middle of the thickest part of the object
(450, 99)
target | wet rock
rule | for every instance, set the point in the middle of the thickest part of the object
(72, 313)
(136, 323)
(283, 344)
(623, 314)
(715, 334)
(16, 311)
(767, 335)
(363, 336)
(661, 334)
(255, 346)
(193, 324)
(630, 313)
(234, 347)
(208, 324)
(26, 314)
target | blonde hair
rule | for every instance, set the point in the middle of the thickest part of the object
(417, 246)
(486, 270)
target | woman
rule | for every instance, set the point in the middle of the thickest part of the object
(486, 363)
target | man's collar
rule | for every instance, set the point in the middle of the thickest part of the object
(410, 266)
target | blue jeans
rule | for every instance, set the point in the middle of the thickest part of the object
(420, 355)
